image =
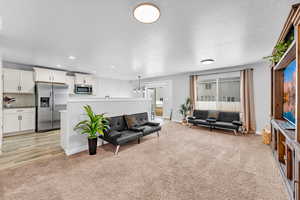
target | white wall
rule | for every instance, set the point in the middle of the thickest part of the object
(72, 142)
(179, 91)
(114, 88)
(262, 96)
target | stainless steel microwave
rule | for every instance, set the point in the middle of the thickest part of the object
(83, 89)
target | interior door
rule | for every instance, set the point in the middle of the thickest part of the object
(60, 97)
(44, 106)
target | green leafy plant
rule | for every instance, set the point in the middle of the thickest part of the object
(280, 49)
(186, 108)
(96, 124)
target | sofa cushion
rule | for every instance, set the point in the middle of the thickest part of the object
(131, 121)
(200, 114)
(213, 114)
(227, 125)
(128, 136)
(141, 118)
(200, 122)
(150, 129)
(113, 134)
(228, 116)
(152, 124)
(117, 123)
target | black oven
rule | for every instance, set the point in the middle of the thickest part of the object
(83, 89)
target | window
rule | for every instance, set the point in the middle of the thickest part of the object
(207, 90)
(229, 89)
(219, 93)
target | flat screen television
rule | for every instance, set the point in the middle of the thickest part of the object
(289, 92)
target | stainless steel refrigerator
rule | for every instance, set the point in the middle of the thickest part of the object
(50, 100)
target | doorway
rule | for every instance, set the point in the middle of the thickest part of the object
(160, 94)
(157, 102)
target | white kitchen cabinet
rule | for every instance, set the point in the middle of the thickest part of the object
(42, 75)
(26, 82)
(50, 76)
(70, 83)
(84, 79)
(11, 122)
(18, 120)
(11, 80)
(27, 121)
(59, 76)
(17, 81)
(80, 79)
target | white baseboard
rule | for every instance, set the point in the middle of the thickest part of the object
(81, 148)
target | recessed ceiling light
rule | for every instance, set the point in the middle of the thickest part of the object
(207, 61)
(72, 57)
(113, 67)
(59, 66)
(146, 13)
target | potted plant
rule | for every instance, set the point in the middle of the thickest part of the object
(95, 125)
(280, 49)
(185, 109)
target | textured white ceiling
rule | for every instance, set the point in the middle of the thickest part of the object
(103, 33)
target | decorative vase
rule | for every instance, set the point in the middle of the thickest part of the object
(93, 146)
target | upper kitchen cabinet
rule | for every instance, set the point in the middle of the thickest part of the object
(18, 81)
(52, 76)
(42, 75)
(84, 79)
(70, 83)
(59, 76)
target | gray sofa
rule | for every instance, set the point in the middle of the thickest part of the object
(216, 119)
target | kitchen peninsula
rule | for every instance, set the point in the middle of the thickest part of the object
(71, 141)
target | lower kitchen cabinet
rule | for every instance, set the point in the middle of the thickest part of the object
(18, 120)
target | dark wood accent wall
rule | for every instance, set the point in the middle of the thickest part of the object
(286, 143)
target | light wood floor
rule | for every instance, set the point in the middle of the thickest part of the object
(23, 149)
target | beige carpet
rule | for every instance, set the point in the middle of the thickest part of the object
(182, 163)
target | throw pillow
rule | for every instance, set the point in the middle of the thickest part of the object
(213, 114)
(131, 121)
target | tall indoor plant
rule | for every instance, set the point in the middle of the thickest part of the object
(95, 125)
(185, 109)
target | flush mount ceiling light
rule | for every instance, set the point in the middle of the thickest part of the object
(146, 13)
(72, 57)
(207, 61)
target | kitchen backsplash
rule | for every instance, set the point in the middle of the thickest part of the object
(22, 100)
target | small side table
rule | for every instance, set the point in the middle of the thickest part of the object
(211, 122)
